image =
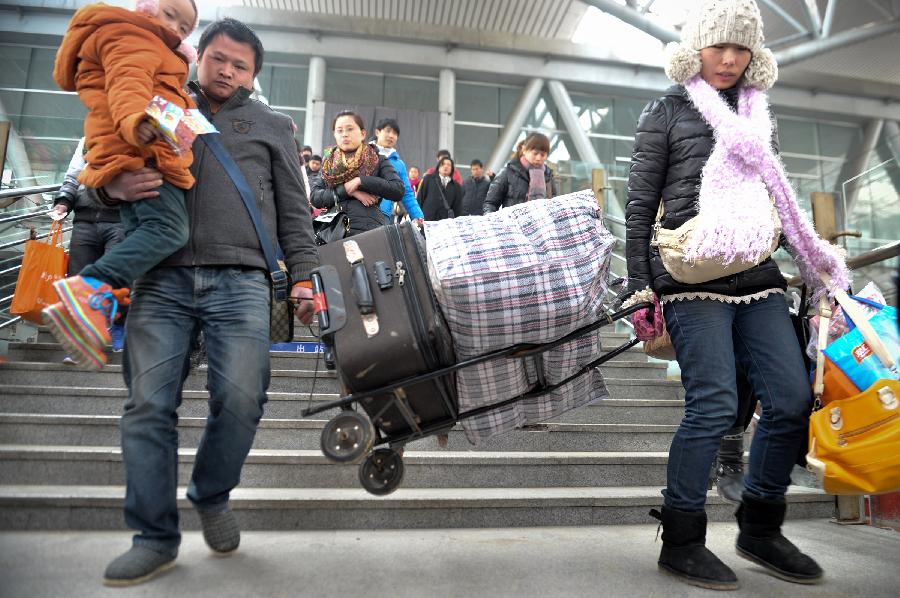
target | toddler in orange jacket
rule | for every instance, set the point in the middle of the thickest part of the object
(117, 60)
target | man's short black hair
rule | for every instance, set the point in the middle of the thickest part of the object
(443, 152)
(388, 122)
(315, 157)
(476, 163)
(239, 33)
(306, 148)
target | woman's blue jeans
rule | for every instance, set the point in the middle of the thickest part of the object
(170, 307)
(709, 337)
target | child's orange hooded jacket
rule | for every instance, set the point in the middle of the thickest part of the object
(117, 60)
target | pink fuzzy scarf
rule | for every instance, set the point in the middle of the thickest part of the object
(734, 218)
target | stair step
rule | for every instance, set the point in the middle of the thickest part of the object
(280, 360)
(294, 434)
(55, 465)
(100, 507)
(110, 401)
(294, 380)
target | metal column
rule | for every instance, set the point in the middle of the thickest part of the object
(892, 137)
(315, 105)
(835, 42)
(447, 109)
(514, 123)
(582, 142)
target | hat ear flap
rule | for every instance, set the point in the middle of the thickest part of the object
(187, 52)
(147, 7)
(682, 62)
(762, 72)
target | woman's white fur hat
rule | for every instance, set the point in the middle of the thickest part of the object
(723, 22)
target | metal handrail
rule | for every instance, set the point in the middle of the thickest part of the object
(35, 238)
(874, 256)
(21, 217)
(23, 191)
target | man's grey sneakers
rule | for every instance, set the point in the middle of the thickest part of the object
(136, 566)
(220, 530)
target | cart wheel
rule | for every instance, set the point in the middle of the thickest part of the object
(347, 437)
(381, 472)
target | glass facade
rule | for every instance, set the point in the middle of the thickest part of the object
(816, 151)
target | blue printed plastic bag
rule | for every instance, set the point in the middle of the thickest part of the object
(855, 358)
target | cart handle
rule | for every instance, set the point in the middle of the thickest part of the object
(520, 350)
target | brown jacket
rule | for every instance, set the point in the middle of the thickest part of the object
(117, 60)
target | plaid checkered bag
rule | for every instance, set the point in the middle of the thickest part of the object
(531, 273)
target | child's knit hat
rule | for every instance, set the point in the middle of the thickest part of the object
(723, 22)
(151, 8)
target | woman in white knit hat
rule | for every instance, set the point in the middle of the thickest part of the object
(705, 159)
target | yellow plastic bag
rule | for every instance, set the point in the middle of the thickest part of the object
(42, 263)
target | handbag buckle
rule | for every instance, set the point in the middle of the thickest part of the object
(888, 398)
(836, 420)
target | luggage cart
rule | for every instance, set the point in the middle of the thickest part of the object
(352, 437)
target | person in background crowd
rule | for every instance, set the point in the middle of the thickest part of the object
(387, 133)
(439, 194)
(95, 229)
(414, 178)
(306, 152)
(354, 176)
(475, 190)
(303, 170)
(314, 165)
(446, 154)
(525, 177)
(705, 151)
(217, 283)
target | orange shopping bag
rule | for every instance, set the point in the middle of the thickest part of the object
(42, 263)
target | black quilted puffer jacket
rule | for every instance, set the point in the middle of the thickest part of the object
(671, 147)
(510, 187)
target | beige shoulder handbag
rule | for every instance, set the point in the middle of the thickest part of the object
(671, 244)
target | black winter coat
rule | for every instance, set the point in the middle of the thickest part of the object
(510, 186)
(671, 147)
(384, 183)
(431, 201)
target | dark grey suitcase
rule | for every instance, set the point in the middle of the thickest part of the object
(382, 324)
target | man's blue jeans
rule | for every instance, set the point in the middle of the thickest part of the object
(709, 336)
(170, 307)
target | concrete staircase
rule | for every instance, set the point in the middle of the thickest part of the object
(60, 462)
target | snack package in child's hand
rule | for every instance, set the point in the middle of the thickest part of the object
(178, 126)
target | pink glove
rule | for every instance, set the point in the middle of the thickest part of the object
(648, 322)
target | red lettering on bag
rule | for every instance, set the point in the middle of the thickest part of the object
(861, 352)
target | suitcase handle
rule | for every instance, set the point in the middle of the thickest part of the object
(364, 299)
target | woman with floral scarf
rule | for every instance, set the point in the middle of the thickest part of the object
(354, 177)
(705, 152)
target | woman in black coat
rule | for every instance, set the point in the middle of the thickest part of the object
(515, 183)
(354, 177)
(439, 195)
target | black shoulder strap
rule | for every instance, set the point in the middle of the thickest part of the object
(279, 278)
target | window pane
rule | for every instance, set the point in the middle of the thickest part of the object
(626, 113)
(52, 115)
(288, 86)
(354, 88)
(595, 114)
(797, 136)
(40, 70)
(413, 94)
(473, 143)
(837, 141)
(14, 66)
(478, 103)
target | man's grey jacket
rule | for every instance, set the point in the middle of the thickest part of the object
(260, 140)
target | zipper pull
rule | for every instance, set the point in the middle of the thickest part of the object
(401, 273)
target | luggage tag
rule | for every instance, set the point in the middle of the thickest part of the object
(360, 278)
